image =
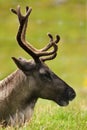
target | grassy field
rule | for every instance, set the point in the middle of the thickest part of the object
(68, 19)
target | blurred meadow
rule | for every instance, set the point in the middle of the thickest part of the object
(68, 18)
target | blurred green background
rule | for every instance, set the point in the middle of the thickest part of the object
(68, 18)
(63, 17)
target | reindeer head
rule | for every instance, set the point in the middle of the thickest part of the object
(42, 81)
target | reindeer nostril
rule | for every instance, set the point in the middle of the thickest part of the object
(71, 95)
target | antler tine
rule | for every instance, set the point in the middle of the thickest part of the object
(14, 11)
(57, 38)
(50, 36)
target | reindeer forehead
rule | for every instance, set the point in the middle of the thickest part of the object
(32, 65)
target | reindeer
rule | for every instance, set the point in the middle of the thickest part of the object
(33, 79)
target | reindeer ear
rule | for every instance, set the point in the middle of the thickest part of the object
(23, 64)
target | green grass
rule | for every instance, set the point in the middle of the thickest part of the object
(69, 21)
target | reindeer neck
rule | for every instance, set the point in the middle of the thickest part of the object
(15, 95)
(11, 83)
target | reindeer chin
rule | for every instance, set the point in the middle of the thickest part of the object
(63, 103)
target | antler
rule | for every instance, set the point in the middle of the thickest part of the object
(36, 54)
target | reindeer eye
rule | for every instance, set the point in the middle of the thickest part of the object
(45, 75)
